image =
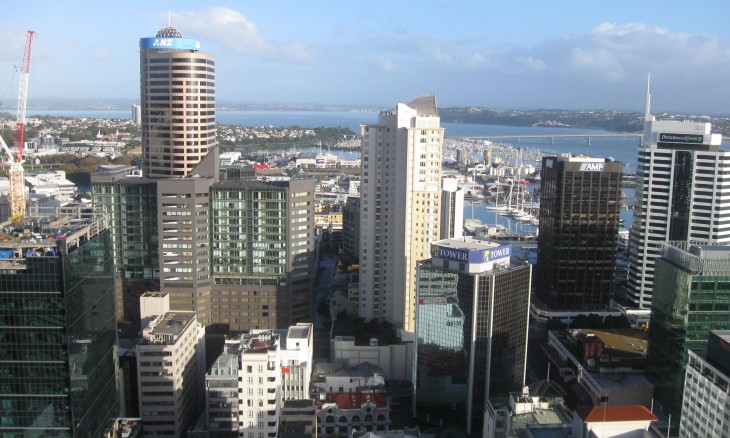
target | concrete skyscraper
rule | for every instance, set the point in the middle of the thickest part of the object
(401, 185)
(681, 195)
(178, 104)
(579, 220)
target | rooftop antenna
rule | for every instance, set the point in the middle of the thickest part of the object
(169, 18)
(647, 116)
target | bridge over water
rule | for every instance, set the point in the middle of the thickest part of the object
(553, 137)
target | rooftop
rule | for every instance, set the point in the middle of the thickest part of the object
(299, 331)
(608, 414)
(467, 243)
(167, 328)
(44, 237)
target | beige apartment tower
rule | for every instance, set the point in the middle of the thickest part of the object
(401, 186)
(178, 104)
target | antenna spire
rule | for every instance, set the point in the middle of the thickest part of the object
(169, 18)
(647, 113)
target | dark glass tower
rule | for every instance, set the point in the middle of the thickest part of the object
(579, 220)
(471, 330)
(57, 331)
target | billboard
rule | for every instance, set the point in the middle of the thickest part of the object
(681, 138)
(169, 43)
(471, 255)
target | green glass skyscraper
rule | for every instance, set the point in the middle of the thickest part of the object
(691, 297)
(57, 331)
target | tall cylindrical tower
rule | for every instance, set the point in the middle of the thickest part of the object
(177, 84)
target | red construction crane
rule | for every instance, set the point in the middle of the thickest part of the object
(17, 173)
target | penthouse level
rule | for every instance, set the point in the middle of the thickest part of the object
(43, 237)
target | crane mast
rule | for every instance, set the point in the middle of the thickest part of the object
(16, 173)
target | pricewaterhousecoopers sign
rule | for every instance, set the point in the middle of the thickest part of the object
(681, 138)
(471, 255)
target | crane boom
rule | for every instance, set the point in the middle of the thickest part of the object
(16, 173)
(18, 143)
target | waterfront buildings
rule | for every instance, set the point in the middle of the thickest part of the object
(401, 185)
(170, 366)
(57, 329)
(580, 201)
(706, 401)
(692, 284)
(178, 104)
(682, 194)
(471, 330)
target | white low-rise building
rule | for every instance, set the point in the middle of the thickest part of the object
(248, 382)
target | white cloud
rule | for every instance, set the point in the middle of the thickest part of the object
(100, 53)
(597, 62)
(384, 65)
(233, 30)
(531, 63)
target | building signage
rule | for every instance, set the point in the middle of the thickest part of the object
(169, 43)
(592, 167)
(499, 252)
(681, 138)
(473, 255)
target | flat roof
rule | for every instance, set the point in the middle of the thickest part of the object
(172, 323)
(467, 243)
(601, 414)
(299, 332)
(627, 341)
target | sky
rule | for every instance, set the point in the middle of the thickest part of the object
(520, 54)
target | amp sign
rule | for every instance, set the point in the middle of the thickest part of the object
(592, 167)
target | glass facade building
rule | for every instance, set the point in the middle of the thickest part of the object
(130, 205)
(692, 297)
(58, 335)
(579, 220)
(471, 335)
(262, 249)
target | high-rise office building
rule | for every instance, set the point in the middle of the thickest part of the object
(129, 201)
(262, 237)
(579, 219)
(401, 186)
(681, 195)
(178, 104)
(471, 330)
(692, 285)
(452, 208)
(58, 332)
(706, 401)
(171, 368)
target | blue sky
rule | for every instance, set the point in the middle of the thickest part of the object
(512, 54)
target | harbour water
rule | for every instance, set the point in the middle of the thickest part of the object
(621, 148)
